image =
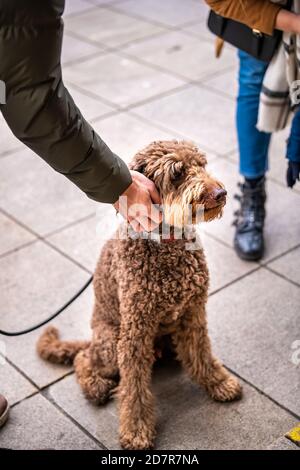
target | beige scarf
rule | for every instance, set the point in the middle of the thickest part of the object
(279, 91)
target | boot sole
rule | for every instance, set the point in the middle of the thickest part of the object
(4, 416)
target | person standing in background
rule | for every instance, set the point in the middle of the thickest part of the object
(265, 16)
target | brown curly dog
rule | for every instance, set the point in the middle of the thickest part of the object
(145, 289)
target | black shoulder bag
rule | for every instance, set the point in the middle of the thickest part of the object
(259, 45)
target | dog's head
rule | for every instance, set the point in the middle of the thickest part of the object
(178, 169)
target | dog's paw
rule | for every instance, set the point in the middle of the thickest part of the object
(137, 440)
(227, 390)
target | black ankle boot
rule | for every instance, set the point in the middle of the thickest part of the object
(249, 237)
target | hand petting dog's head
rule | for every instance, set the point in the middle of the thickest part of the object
(189, 193)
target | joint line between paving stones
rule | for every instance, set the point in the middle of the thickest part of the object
(282, 276)
(275, 258)
(74, 421)
(46, 242)
(295, 415)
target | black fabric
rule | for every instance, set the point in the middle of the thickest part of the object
(293, 173)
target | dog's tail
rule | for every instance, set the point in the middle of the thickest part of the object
(52, 349)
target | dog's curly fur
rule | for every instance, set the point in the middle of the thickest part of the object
(145, 290)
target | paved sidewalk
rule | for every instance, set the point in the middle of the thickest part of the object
(142, 70)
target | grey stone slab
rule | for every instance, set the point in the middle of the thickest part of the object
(127, 134)
(187, 418)
(120, 80)
(75, 7)
(35, 281)
(223, 265)
(36, 424)
(13, 385)
(200, 30)
(225, 82)
(288, 265)
(282, 227)
(110, 28)
(197, 113)
(80, 242)
(91, 108)
(12, 235)
(254, 324)
(169, 12)
(39, 197)
(283, 444)
(9, 143)
(181, 54)
(75, 49)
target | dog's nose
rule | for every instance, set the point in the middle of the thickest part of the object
(219, 193)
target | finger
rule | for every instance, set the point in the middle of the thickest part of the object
(147, 223)
(135, 225)
(154, 194)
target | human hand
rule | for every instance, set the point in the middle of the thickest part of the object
(288, 21)
(293, 173)
(138, 208)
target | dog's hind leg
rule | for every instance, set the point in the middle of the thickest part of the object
(97, 368)
(193, 349)
(94, 386)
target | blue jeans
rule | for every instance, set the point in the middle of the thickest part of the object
(253, 144)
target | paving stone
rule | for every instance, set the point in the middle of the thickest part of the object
(128, 81)
(91, 108)
(288, 265)
(36, 424)
(12, 235)
(225, 82)
(76, 6)
(38, 196)
(187, 417)
(254, 324)
(200, 30)
(223, 265)
(198, 114)
(35, 281)
(283, 444)
(12, 384)
(169, 12)
(80, 242)
(75, 49)
(181, 54)
(9, 143)
(110, 28)
(127, 134)
(279, 214)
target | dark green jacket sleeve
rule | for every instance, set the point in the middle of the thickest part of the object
(40, 111)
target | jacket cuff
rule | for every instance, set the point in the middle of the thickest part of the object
(116, 184)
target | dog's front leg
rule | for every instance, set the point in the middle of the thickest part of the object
(135, 358)
(194, 351)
